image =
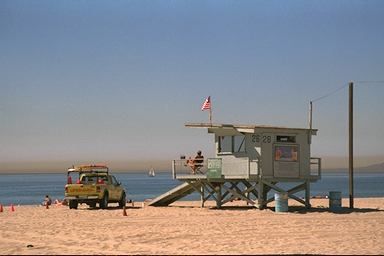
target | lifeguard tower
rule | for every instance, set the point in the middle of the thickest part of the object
(250, 161)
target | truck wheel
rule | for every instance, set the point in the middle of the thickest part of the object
(92, 205)
(104, 201)
(123, 199)
(73, 204)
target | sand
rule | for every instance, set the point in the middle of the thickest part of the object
(185, 228)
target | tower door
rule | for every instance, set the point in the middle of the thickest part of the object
(286, 160)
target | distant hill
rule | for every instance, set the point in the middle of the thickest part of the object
(373, 167)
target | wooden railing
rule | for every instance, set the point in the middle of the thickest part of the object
(238, 167)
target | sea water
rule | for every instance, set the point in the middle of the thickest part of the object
(30, 189)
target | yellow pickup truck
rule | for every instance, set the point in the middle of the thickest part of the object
(94, 185)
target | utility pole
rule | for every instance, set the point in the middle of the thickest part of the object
(351, 145)
(310, 123)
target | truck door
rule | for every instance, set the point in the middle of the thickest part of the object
(115, 189)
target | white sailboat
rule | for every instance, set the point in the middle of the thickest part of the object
(151, 172)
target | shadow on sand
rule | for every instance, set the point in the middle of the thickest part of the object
(109, 208)
(292, 209)
(343, 210)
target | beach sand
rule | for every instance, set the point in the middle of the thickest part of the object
(185, 228)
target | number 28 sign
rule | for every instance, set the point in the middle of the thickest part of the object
(257, 138)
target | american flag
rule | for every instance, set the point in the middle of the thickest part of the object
(206, 104)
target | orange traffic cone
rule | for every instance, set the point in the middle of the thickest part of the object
(1, 208)
(12, 208)
(125, 211)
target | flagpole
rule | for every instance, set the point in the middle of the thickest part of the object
(210, 114)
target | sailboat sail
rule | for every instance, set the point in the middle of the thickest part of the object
(151, 172)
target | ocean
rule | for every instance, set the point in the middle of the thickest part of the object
(30, 189)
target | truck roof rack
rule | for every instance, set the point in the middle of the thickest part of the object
(97, 168)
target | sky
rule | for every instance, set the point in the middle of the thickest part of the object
(115, 81)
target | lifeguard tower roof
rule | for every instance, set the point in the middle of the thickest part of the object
(244, 128)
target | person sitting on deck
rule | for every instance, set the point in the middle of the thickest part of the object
(196, 163)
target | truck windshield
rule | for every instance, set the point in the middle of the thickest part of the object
(93, 179)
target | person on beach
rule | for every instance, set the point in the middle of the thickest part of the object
(61, 202)
(47, 200)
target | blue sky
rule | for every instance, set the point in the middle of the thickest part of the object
(106, 81)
